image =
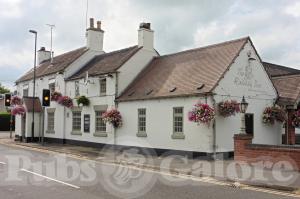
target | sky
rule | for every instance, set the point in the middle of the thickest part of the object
(273, 25)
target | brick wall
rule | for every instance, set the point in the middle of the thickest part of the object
(244, 150)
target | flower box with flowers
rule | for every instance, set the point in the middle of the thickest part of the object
(18, 110)
(228, 108)
(83, 100)
(66, 101)
(202, 113)
(272, 114)
(16, 100)
(296, 119)
(113, 117)
(55, 96)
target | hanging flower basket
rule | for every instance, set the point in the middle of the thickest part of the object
(272, 114)
(228, 108)
(113, 117)
(16, 100)
(55, 96)
(296, 119)
(83, 100)
(18, 110)
(66, 101)
(202, 113)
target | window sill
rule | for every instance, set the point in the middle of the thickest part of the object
(178, 136)
(141, 134)
(50, 131)
(100, 134)
(76, 133)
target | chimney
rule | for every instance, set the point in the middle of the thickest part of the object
(94, 36)
(43, 55)
(146, 36)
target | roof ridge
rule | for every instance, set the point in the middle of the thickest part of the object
(281, 66)
(205, 47)
(286, 76)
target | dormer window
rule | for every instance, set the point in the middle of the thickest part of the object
(102, 87)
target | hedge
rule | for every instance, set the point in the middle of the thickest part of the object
(5, 121)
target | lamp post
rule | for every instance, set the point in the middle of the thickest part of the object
(33, 94)
(243, 107)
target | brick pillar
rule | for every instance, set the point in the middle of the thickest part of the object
(240, 143)
(290, 129)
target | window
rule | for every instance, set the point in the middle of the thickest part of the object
(50, 121)
(100, 124)
(76, 124)
(52, 87)
(178, 120)
(25, 92)
(142, 120)
(102, 86)
(77, 93)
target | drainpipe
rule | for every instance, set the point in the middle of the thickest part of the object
(214, 146)
(116, 106)
(64, 125)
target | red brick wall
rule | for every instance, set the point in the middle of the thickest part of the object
(244, 150)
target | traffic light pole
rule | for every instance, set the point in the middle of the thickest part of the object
(43, 126)
(10, 125)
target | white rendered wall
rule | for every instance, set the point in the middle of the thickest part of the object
(133, 67)
(255, 85)
(159, 125)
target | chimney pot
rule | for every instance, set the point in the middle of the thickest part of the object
(99, 25)
(91, 22)
(145, 25)
(42, 49)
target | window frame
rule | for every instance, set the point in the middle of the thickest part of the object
(50, 129)
(77, 89)
(78, 119)
(101, 122)
(103, 88)
(177, 133)
(142, 114)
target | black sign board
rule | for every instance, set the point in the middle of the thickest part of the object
(86, 123)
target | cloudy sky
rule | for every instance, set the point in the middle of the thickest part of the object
(273, 25)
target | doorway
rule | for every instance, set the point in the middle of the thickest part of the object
(249, 123)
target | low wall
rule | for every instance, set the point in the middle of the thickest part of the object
(244, 150)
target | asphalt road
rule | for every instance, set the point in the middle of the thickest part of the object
(27, 174)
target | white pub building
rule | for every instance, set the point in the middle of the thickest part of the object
(153, 94)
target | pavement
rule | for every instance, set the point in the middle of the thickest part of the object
(224, 173)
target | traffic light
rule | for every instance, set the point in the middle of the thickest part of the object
(7, 99)
(46, 97)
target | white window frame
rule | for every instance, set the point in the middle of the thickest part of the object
(103, 86)
(77, 89)
(100, 125)
(50, 120)
(178, 123)
(142, 120)
(76, 122)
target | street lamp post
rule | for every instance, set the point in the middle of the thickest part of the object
(33, 94)
(243, 107)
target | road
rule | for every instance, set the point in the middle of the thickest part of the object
(27, 174)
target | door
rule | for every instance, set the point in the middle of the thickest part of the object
(249, 122)
(23, 124)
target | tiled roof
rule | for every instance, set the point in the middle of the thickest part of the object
(288, 88)
(60, 63)
(29, 107)
(191, 72)
(277, 70)
(106, 63)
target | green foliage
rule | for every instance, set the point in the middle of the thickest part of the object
(83, 100)
(3, 90)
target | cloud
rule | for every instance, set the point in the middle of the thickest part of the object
(273, 27)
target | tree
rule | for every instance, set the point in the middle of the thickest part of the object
(3, 89)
